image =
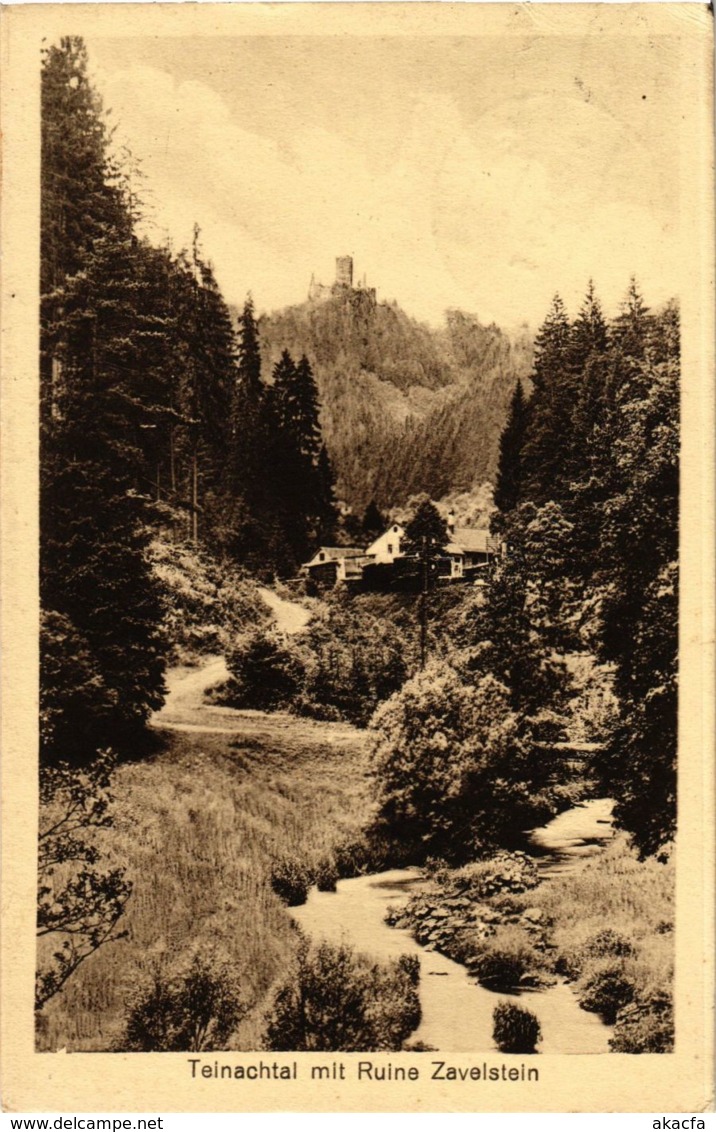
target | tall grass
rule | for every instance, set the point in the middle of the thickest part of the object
(617, 891)
(198, 828)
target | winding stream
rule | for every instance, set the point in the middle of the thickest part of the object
(457, 1011)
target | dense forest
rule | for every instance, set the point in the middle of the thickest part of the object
(187, 453)
(404, 409)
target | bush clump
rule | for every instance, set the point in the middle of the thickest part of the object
(325, 875)
(355, 662)
(515, 1029)
(267, 670)
(607, 943)
(645, 1025)
(606, 991)
(197, 1009)
(337, 1000)
(371, 853)
(206, 602)
(290, 880)
(499, 970)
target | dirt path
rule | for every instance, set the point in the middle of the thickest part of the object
(290, 617)
(185, 710)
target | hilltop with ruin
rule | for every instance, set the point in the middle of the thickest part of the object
(343, 284)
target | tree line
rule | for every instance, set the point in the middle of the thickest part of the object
(154, 417)
(471, 751)
(587, 491)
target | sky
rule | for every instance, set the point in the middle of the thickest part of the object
(472, 172)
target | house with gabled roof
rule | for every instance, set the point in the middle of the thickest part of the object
(333, 564)
(466, 555)
(387, 547)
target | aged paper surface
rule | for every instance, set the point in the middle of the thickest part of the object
(683, 188)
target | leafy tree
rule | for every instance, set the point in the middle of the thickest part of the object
(355, 661)
(267, 670)
(190, 1012)
(452, 776)
(80, 898)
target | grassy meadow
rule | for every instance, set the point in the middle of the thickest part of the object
(197, 827)
(617, 891)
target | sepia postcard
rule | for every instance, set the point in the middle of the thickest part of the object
(358, 592)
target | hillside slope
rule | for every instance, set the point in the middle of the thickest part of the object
(404, 408)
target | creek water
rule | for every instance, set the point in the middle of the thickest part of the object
(456, 1010)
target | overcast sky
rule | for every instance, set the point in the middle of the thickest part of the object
(479, 173)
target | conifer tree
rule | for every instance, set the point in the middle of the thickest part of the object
(590, 334)
(302, 477)
(94, 511)
(373, 521)
(249, 465)
(426, 537)
(509, 470)
(637, 584)
(550, 407)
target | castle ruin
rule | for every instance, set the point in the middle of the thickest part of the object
(320, 292)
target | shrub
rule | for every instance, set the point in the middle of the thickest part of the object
(290, 880)
(267, 670)
(503, 959)
(499, 970)
(337, 1000)
(371, 853)
(645, 1026)
(197, 1010)
(605, 992)
(607, 943)
(503, 874)
(206, 602)
(325, 875)
(410, 965)
(515, 1029)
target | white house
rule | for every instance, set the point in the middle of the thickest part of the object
(386, 547)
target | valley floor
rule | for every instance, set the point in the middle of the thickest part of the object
(198, 827)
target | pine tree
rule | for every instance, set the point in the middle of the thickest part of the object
(631, 328)
(637, 585)
(590, 334)
(550, 406)
(509, 470)
(301, 471)
(94, 509)
(248, 527)
(374, 521)
(80, 202)
(426, 537)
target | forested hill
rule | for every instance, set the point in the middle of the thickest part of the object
(404, 408)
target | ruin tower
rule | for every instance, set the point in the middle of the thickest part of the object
(344, 271)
